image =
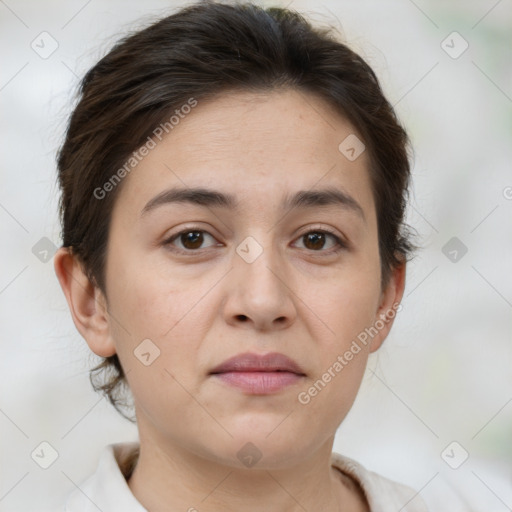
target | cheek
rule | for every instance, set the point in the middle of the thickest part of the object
(346, 310)
(331, 392)
(328, 399)
(173, 314)
(347, 305)
(155, 338)
(146, 300)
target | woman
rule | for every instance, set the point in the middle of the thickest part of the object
(233, 191)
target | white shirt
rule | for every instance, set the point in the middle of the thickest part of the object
(107, 490)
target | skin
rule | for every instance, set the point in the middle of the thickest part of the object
(201, 308)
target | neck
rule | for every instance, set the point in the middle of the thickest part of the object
(168, 477)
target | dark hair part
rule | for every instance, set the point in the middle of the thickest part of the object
(201, 51)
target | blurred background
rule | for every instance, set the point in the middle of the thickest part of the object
(435, 407)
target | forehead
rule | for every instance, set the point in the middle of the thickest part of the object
(258, 147)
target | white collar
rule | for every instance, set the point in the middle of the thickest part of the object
(106, 490)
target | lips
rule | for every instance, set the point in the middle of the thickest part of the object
(255, 374)
(250, 362)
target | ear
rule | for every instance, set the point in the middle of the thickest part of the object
(389, 306)
(86, 302)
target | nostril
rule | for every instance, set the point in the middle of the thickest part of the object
(241, 317)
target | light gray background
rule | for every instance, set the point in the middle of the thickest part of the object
(443, 375)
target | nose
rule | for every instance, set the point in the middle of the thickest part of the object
(260, 292)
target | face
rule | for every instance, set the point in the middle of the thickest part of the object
(207, 278)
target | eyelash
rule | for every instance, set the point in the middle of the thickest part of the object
(340, 244)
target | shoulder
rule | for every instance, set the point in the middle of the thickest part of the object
(383, 494)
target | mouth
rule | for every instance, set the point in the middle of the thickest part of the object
(259, 374)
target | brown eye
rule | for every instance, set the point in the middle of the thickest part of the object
(192, 239)
(314, 240)
(318, 239)
(189, 240)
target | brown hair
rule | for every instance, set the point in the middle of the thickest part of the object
(199, 52)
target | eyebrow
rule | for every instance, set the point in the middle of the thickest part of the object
(215, 199)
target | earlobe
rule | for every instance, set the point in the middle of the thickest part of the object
(86, 302)
(389, 306)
